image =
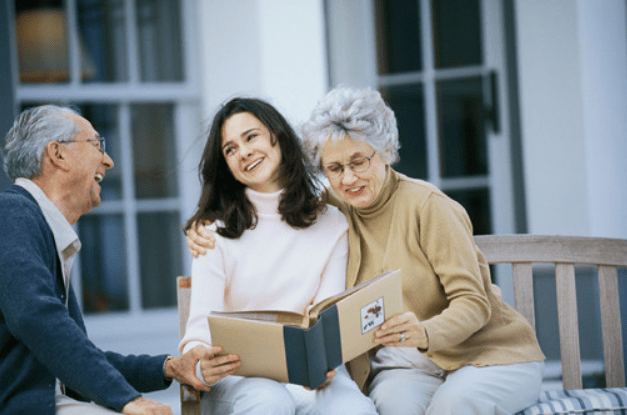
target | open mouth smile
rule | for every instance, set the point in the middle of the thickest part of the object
(355, 189)
(255, 164)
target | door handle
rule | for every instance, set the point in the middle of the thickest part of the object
(491, 101)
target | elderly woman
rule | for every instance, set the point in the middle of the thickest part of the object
(458, 348)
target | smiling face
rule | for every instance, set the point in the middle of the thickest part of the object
(357, 189)
(248, 148)
(88, 164)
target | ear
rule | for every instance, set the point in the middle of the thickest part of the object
(58, 155)
(389, 157)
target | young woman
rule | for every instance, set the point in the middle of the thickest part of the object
(277, 247)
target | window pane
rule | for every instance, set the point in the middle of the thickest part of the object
(408, 105)
(104, 41)
(153, 151)
(160, 257)
(398, 36)
(456, 33)
(159, 36)
(42, 42)
(103, 263)
(104, 119)
(461, 128)
(477, 204)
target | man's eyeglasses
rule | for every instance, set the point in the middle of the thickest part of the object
(358, 164)
(100, 147)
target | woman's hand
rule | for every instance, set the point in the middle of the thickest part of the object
(330, 375)
(215, 366)
(403, 330)
(199, 239)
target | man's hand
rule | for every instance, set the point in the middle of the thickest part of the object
(214, 367)
(183, 368)
(143, 406)
(199, 239)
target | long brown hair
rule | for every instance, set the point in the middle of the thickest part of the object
(223, 198)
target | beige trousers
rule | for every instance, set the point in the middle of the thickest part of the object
(68, 406)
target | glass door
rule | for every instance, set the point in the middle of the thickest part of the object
(440, 67)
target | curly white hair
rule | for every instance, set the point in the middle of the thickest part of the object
(360, 114)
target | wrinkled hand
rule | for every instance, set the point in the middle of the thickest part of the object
(389, 334)
(214, 366)
(183, 368)
(143, 406)
(330, 375)
(199, 239)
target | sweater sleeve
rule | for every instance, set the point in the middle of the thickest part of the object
(36, 316)
(446, 239)
(334, 274)
(143, 372)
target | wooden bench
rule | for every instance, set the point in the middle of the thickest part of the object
(190, 397)
(564, 253)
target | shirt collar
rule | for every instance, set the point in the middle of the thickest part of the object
(65, 238)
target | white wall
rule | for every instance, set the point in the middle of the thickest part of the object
(271, 49)
(352, 51)
(573, 86)
(603, 40)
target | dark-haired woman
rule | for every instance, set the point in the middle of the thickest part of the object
(277, 247)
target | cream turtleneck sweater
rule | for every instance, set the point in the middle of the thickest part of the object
(270, 267)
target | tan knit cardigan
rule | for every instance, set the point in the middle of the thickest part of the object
(446, 279)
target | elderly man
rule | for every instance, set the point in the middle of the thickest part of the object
(47, 363)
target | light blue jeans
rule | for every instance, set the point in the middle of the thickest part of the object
(236, 395)
(427, 389)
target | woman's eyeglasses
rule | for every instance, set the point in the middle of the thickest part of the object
(357, 165)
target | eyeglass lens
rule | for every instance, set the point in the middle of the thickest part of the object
(357, 165)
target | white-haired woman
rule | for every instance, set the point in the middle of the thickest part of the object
(458, 348)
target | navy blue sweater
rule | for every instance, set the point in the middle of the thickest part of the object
(40, 338)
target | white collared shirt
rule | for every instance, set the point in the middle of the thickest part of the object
(65, 238)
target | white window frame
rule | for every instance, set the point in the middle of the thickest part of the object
(124, 331)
